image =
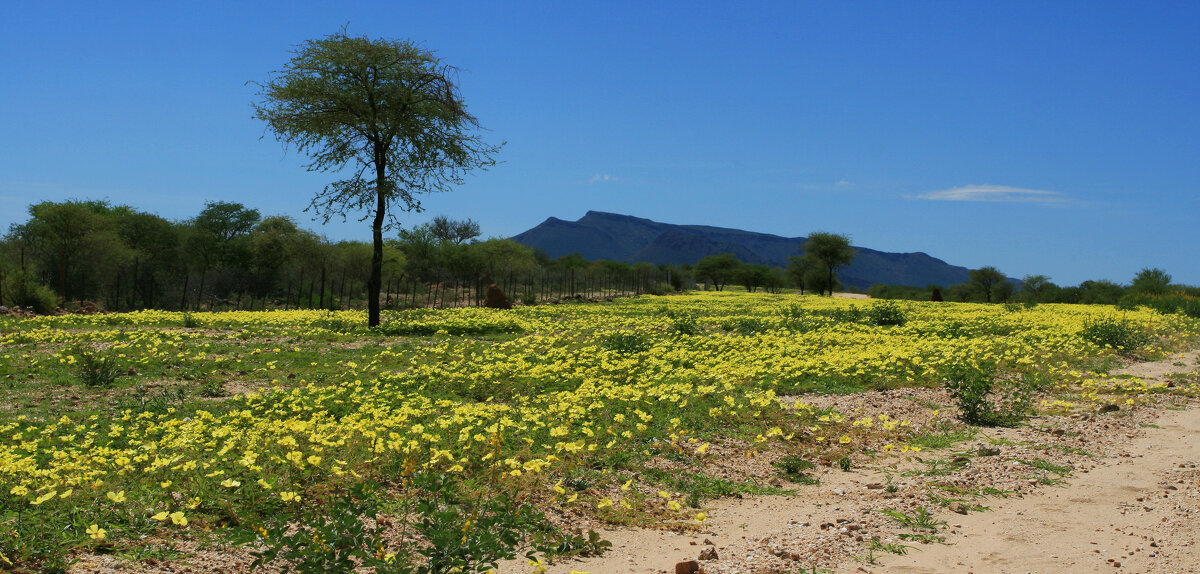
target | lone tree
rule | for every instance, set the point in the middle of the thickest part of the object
(986, 278)
(387, 109)
(828, 252)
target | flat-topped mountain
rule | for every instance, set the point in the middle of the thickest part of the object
(599, 235)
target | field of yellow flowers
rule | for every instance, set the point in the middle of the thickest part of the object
(469, 427)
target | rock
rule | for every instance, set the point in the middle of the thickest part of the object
(1109, 408)
(875, 486)
(709, 553)
(988, 451)
(958, 507)
(495, 298)
(3, 310)
(709, 542)
(689, 567)
(776, 482)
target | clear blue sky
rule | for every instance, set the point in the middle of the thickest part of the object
(1056, 138)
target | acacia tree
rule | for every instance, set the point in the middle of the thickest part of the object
(386, 108)
(986, 278)
(828, 252)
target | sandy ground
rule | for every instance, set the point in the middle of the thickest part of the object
(1131, 504)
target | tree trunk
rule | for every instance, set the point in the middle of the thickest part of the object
(374, 282)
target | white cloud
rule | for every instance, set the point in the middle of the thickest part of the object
(996, 193)
(603, 178)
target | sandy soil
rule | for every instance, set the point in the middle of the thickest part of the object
(1131, 503)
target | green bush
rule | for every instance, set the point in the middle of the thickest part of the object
(628, 342)
(23, 291)
(886, 313)
(684, 324)
(985, 400)
(95, 368)
(1123, 336)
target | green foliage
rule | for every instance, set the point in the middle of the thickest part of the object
(320, 103)
(95, 367)
(984, 400)
(921, 520)
(718, 269)
(795, 469)
(20, 289)
(987, 279)
(684, 323)
(628, 342)
(746, 325)
(1151, 282)
(827, 252)
(1123, 336)
(887, 313)
(461, 534)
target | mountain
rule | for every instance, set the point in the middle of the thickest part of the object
(599, 235)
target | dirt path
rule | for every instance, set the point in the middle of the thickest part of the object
(1134, 508)
(1134, 514)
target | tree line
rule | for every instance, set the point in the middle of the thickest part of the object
(229, 256)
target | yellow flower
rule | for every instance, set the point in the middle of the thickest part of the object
(117, 497)
(674, 505)
(701, 516)
(845, 439)
(627, 484)
(702, 448)
(289, 496)
(314, 460)
(19, 490)
(230, 483)
(44, 498)
(161, 516)
(96, 533)
(179, 519)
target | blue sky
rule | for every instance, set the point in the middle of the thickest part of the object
(1056, 138)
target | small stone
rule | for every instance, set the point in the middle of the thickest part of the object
(875, 486)
(689, 567)
(957, 507)
(709, 553)
(1109, 408)
(988, 451)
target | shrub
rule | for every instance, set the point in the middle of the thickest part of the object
(745, 325)
(628, 342)
(984, 400)
(886, 313)
(1122, 335)
(683, 323)
(95, 368)
(25, 292)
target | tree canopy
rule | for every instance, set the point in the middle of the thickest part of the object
(387, 109)
(828, 252)
(986, 278)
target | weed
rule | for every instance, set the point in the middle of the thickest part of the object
(887, 313)
(894, 548)
(947, 437)
(628, 342)
(683, 323)
(794, 469)
(1123, 336)
(919, 520)
(96, 368)
(984, 400)
(844, 463)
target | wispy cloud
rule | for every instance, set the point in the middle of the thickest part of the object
(996, 193)
(603, 178)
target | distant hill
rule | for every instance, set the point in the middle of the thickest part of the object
(599, 235)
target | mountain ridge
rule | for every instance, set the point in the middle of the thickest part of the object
(617, 237)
